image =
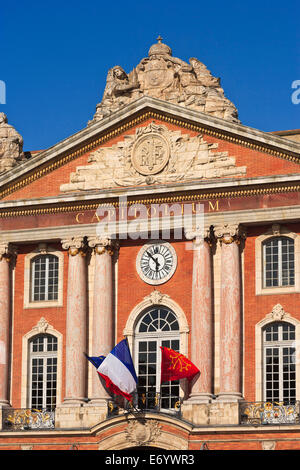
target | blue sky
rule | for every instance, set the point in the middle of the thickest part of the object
(55, 57)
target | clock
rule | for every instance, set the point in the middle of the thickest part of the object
(156, 262)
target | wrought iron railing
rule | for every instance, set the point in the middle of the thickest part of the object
(260, 413)
(144, 402)
(26, 419)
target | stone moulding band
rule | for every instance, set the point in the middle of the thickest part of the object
(48, 168)
(159, 200)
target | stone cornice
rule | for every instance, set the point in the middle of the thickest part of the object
(251, 217)
(181, 192)
(135, 113)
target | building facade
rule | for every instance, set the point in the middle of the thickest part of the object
(168, 222)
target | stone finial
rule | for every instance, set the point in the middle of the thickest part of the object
(168, 78)
(11, 145)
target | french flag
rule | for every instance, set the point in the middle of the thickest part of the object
(117, 370)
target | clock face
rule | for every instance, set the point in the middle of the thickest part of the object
(156, 262)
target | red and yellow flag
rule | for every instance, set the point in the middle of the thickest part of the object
(175, 366)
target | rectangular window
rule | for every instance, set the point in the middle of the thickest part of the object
(44, 278)
(278, 262)
(279, 363)
(43, 372)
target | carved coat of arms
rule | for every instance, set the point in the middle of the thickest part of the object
(142, 433)
(168, 78)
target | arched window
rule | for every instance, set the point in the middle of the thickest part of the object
(44, 278)
(279, 362)
(278, 262)
(158, 326)
(43, 372)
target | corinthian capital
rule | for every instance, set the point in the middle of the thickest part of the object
(74, 245)
(229, 233)
(103, 245)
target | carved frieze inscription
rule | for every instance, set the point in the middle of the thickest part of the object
(154, 155)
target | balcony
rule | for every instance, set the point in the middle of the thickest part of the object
(27, 419)
(145, 402)
(269, 413)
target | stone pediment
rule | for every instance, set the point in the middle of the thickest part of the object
(153, 155)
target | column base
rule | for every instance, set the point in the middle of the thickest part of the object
(198, 398)
(99, 401)
(229, 397)
(74, 401)
(4, 404)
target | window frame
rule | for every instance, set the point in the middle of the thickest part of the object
(28, 284)
(273, 232)
(280, 261)
(47, 272)
(158, 336)
(278, 314)
(41, 327)
(279, 344)
(43, 355)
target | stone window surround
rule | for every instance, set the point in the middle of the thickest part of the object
(275, 231)
(158, 299)
(43, 249)
(42, 327)
(278, 314)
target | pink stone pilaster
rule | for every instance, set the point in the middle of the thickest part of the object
(103, 320)
(4, 322)
(230, 311)
(76, 322)
(202, 318)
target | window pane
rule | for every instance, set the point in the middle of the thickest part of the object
(43, 379)
(44, 278)
(161, 323)
(278, 262)
(279, 363)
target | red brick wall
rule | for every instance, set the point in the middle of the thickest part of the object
(256, 307)
(132, 290)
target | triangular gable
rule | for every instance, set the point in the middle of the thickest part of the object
(228, 150)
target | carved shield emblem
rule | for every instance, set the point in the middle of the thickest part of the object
(157, 75)
(150, 154)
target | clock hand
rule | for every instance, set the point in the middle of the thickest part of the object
(154, 259)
